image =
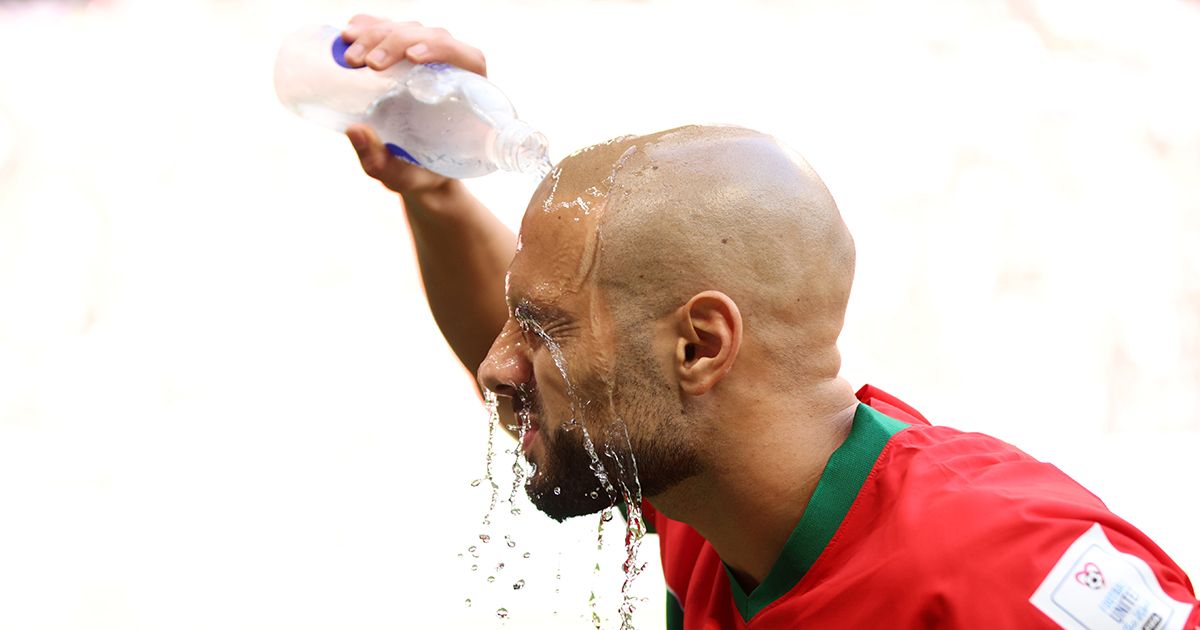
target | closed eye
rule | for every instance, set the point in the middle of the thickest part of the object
(538, 315)
(541, 323)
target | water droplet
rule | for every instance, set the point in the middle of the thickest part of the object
(460, 556)
(474, 567)
(515, 511)
(593, 494)
(518, 585)
(502, 613)
(525, 555)
(484, 537)
(511, 543)
(500, 567)
(491, 578)
(606, 515)
(493, 408)
(475, 484)
(557, 490)
(468, 602)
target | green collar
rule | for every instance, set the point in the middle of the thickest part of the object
(840, 482)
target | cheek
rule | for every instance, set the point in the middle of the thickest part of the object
(551, 386)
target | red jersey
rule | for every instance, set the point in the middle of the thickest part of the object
(917, 526)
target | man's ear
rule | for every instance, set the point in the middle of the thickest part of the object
(709, 336)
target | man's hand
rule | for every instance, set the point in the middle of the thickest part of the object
(380, 44)
(462, 248)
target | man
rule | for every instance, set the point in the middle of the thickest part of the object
(670, 315)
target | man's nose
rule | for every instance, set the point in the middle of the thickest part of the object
(506, 367)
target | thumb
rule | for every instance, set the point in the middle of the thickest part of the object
(361, 138)
(371, 152)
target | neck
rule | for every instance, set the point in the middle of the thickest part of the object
(759, 479)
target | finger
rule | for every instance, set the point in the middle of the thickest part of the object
(391, 49)
(373, 156)
(357, 25)
(444, 48)
(366, 41)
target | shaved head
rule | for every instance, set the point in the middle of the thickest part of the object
(647, 265)
(720, 208)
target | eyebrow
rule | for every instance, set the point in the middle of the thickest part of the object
(538, 312)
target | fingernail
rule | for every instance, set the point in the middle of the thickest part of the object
(354, 51)
(418, 50)
(377, 56)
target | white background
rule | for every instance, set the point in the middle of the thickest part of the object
(223, 403)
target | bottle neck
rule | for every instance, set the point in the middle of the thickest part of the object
(519, 147)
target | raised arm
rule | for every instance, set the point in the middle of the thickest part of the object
(463, 250)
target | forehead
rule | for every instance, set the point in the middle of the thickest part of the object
(559, 240)
(556, 250)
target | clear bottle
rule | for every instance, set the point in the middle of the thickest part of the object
(446, 119)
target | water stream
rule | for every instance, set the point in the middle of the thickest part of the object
(619, 481)
(626, 476)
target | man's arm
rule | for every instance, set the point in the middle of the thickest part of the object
(462, 249)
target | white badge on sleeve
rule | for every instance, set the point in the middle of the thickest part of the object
(1095, 587)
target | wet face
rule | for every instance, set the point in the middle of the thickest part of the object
(597, 409)
(553, 362)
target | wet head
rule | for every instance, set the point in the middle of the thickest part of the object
(553, 362)
(646, 266)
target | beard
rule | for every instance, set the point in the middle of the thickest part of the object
(564, 484)
(643, 444)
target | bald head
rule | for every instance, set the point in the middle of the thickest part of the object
(647, 267)
(713, 208)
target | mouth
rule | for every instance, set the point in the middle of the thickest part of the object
(526, 409)
(530, 435)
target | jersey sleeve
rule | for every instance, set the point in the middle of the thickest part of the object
(992, 538)
(1034, 571)
(1113, 576)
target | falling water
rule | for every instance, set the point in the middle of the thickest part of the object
(615, 483)
(543, 167)
(560, 362)
(626, 469)
(493, 407)
(605, 516)
(635, 527)
(518, 469)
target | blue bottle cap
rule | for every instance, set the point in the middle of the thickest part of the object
(339, 52)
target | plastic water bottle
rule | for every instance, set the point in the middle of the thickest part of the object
(446, 119)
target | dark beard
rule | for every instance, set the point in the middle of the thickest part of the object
(656, 462)
(659, 455)
(564, 484)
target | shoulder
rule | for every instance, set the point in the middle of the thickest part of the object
(954, 470)
(985, 527)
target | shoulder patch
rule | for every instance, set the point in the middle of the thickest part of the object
(1095, 587)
